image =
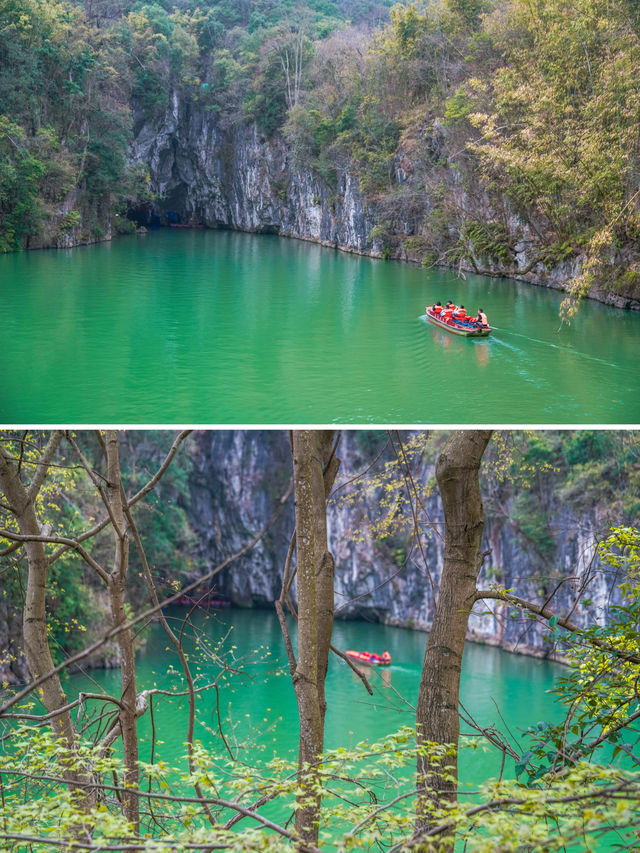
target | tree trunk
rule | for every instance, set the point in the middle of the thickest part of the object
(21, 500)
(457, 472)
(314, 470)
(116, 587)
(36, 642)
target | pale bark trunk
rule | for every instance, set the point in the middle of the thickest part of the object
(314, 472)
(116, 587)
(457, 473)
(36, 643)
(21, 501)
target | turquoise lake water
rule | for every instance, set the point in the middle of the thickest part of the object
(214, 327)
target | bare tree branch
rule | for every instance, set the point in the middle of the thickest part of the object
(109, 635)
(546, 613)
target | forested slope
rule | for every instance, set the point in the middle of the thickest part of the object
(497, 136)
(71, 75)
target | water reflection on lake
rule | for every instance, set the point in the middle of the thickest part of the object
(220, 328)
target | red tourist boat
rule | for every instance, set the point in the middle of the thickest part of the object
(466, 328)
(369, 657)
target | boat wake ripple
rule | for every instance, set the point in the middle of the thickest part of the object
(559, 347)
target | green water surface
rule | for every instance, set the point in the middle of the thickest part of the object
(213, 327)
(258, 708)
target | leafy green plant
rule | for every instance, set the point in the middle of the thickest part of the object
(488, 240)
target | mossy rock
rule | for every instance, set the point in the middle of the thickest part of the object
(626, 283)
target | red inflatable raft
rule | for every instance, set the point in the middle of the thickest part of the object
(369, 657)
(466, 328)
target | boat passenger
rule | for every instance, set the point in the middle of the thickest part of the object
(482, 318)
(386, 657)
(437, 308)
(447, 315)
(460, 314)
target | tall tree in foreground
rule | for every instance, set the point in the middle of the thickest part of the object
(437, 719)
(34, 535)
(315, 466)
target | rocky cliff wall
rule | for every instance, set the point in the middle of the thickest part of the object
(240, 476)
(235, 178)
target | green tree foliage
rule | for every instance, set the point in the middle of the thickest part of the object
(468, 12)
(20, 172)
(565, 104)
(64, 91)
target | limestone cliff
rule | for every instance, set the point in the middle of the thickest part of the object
(236, 179)
(240, 476)
(540, 540)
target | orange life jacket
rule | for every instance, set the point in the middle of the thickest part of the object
(436, 309)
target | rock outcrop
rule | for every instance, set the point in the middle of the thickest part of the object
(237, 179)
(238, 478)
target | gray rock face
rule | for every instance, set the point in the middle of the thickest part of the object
(236, 179)
(239, 478)
(93, 224)
(241, 475)
(237, 482)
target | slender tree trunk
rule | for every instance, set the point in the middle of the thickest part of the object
(36, 642)
(22, 500)
(128, 717)
(116, 587)
(457, 472)
(314, 470)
